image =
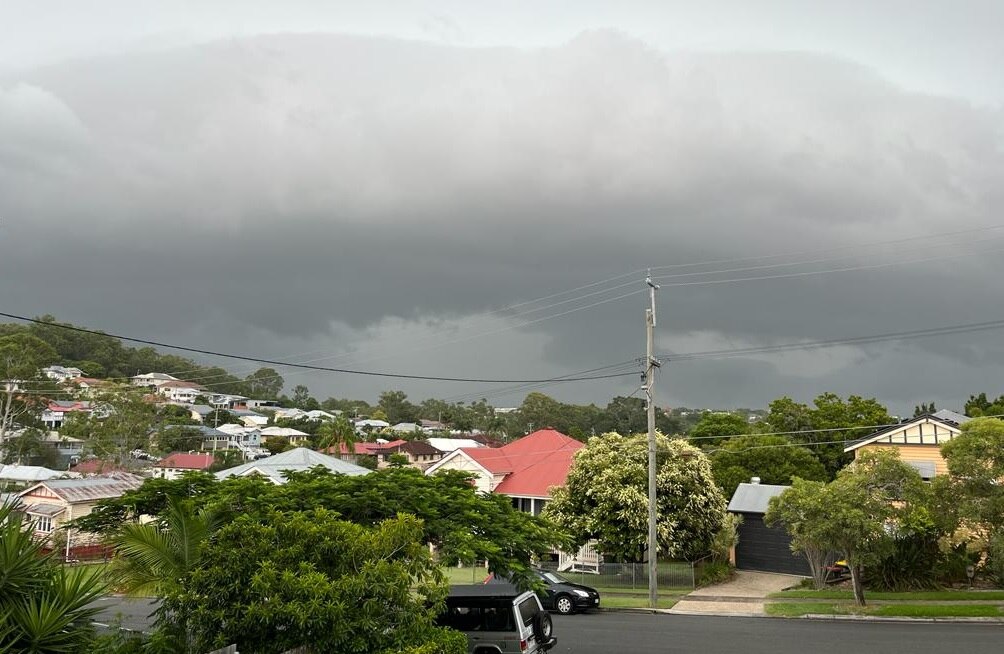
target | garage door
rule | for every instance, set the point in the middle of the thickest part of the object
(767, 549)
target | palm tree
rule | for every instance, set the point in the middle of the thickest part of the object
(336, 433)
(44, 607)
(155, 558)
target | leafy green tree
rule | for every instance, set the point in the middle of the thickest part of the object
(21, 357)
(922, 409)
(397, 407)
(218, 417)
(627, 415)
(714, 428)
(179, 438)
(397, 460)
(282, 580)
(277, 445)
(301, 396)
(264, 383)
(44, 607)
(802, 510)
(774, 459)
(975, 460)
(121, 421)
(150, 499)
(29, 448)
(841, 420)
(606, 497)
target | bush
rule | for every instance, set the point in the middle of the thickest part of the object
(714, 572)
(911, 564)
(444, 641)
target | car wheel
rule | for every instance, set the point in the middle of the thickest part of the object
(564, 605)
(543, 627)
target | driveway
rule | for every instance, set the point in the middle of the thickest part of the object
(743, 595)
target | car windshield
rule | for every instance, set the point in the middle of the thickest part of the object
(554, 578)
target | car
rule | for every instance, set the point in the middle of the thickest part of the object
(558, 593)
(498, 619)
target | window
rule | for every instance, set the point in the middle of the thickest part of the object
(527, 609)
(43, 524)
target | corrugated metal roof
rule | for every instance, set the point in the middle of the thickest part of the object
(951, 416)
(94, 488)
(754, 498)
(299, 459)
(44, 509)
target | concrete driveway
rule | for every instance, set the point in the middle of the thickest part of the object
(744, 595)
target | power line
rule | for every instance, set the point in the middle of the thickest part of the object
(346, 371)
(876, 338)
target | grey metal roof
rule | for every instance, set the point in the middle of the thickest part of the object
(93, 488)
(951, 416)
(44, 509)
(299, 459)
(29, 473)
(754, 498)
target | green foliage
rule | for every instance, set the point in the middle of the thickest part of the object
(979, 406)
(975, 460)
(276, 444)
(922, 409)
(44, 607)
(396, 406)
(726, 538)
(29, 448)
(397, 460)
(264, 383)
(772, 458)
(152, 498)
(282, 579)
(713, 428)
(714, 572)
(179, 438)
(335, 433)
(606, 498)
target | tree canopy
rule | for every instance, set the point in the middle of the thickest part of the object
(606, 498)
(774, 459)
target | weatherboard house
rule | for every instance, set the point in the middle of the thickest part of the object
(525, 469)
(917, 440)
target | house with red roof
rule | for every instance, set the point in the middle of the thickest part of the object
(525, 469)
(176, 464)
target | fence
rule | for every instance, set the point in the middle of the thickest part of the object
(682, 575)
(232, 649)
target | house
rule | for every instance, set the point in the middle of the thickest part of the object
(92, 467)
(53, 503)
(152, 379)
(177, 463)
(87, 384)
(420, 454)
(918, 441)
(430, 426)
(371, 425)
(300, 459)
(763, 548)
(61, 374)
(54, 415)
(261, 404)
(180, 391)
(406, 428)
(289, 413)
(525, 469)
(226, 401)
(317, 414)
(293, 436)
(17, 475)
(67, 448)
(250, 418)
(200, 411)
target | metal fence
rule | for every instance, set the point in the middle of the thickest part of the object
(634, 576)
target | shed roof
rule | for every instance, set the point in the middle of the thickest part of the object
(299, 459)
(754, 498)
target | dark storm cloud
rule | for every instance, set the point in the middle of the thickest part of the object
(295, 193)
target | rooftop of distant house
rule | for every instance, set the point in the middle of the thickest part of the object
(186, 461)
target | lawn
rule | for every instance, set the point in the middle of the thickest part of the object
(796, 609)
(456, 576)
(635, 601)
(932, 595)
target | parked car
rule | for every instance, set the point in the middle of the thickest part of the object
(498, 619)
(559, 594)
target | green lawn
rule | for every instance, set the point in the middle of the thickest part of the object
(936, 595)
(796, 609)
(458, 576)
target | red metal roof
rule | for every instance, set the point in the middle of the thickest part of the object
(96, 466)
(186, 461)
(532, 464)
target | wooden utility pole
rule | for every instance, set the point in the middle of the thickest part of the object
(651, 363)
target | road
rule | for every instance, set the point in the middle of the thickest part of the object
(639, 633)
(633, 633)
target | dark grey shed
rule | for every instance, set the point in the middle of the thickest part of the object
(763, 548)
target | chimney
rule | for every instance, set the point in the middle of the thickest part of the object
(755, 480)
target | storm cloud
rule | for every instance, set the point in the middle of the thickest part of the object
(372, 201)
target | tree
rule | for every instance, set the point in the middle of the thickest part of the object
(975, 460)
(44, 607)
(606, 497)
(774, 459)
(179, 438)
(627, 415)
(301, 396)
(714, 428)
(336, 433)
(277, 444)
(264, 383)
(21, 357)
(155, 559)
(287, 579)
(397, 407)
(29, 448)
(121, 421)
(857, 514)
(922, 409)
(803, 510)
(397, 460)
(151, 499)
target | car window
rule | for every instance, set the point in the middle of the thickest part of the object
(478, 618)
(555, 578)
(527, 609)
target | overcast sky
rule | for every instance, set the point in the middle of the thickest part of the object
(388, 186)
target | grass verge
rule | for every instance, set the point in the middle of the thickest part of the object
(797, 609)
(634, 602)
(932, 595)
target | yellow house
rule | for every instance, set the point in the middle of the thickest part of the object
(918, 441)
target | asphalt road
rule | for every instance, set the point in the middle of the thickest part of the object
(633, 633)
(639, 633)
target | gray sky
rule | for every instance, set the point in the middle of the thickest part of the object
(362, 186)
